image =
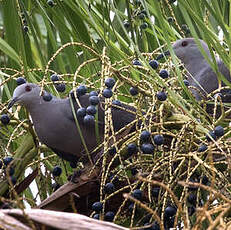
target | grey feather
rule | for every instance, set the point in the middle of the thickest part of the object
(200, 74)
(55, 126)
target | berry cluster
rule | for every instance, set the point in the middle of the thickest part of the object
(97, 207)
(109, 83)
(60, 87)
(161, 95)
(140, 14)
(88, 114)
(147, 146)
(24, 23)
(7, 164)
(216, 133)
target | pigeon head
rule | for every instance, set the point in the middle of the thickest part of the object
(186, 49)
(25, 94)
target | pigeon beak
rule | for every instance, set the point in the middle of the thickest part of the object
(166, 53)
(12, 102)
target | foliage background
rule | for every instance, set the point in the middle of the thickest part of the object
(98, 24)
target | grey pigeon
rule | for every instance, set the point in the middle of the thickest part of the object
(200, 74)
(55, 125)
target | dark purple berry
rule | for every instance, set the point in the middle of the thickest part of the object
(161, 96)
(20, 81)
(109, 216)
(170, 211)
(136, 62)
(47, 96)
(154, 64)
(81, 112)
(91, 110)
(96, 216)
(147, 148)
(191, 210)
(107, 93)
(112, 150)
(13, 180)
(205, 180)
(144, 26)
(134, 171)
(110, 82)
(145, 136)
(117, 102)
(186, 82)
(155, 192)
(55, 186)
(73, 164)
(94, 100)
(126, 24)
(219, 131)
(132, 149)
(130, 207)
(170, 20)
(60, 87)
(93, 93)
(81, 90)
(144, 12)
(202, 148)
(137, 2)
(164, 73)
(10, 171)
(109, 188)
(5, 119)
(158, 139)
(169, 222)
(133, 91)
(89, 120)
(184, 27)
(213, 136)
(54, 77)
(26, 29)
(137, 194)
(154, 226)
(97, 206)
(57, 171)
(192, 199)
(141, 16)
(7, 160)
(24, 22)
(113, 178)
(50, 3)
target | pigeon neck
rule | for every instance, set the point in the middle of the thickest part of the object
(31, 103)
(39, 105)
(195, 65)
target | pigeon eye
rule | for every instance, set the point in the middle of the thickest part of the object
(184, 43)
(28, 88)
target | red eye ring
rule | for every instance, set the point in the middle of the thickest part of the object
(28, 88)
(184, 43)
